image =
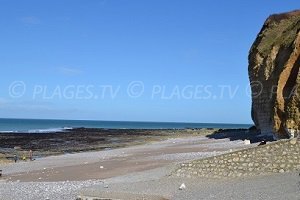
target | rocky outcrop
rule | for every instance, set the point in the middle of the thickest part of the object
(274, 62)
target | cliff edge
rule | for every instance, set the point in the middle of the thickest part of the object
(274, 61)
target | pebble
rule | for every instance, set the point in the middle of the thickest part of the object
(43, 190)
(247, 142)
(182, 186)
(293, 141)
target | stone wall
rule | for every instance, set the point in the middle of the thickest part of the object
(276, 157)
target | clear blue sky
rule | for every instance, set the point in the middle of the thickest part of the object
(74, 44)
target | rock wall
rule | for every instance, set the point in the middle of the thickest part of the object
(277, 157)
(274, 62)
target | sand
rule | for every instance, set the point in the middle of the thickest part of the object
(272, 187)
(139, 171)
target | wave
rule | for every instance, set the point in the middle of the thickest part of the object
(8, 131)
(46, 130)
(48, 126)
(50, 130)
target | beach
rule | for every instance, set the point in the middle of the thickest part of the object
(150, 100)
(140, 160)
(137, 171)
(84, 139)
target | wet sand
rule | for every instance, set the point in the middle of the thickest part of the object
(83, 140)
(111, 172)
(116, 162)
(140, 171)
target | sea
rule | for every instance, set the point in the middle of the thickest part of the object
(54, 125)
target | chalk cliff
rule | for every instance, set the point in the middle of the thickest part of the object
(274, 62)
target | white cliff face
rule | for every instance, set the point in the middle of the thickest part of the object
(274, 62)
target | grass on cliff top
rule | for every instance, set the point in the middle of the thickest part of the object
(280, 34)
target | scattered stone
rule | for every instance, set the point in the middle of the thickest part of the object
(293, 141)
(182, 186)
(247, 142)
(282, 165)
(262, 143)
(281, 171)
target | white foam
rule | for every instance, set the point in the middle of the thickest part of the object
(49, 130)
(8, 131)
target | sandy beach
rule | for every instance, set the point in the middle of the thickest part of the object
(138, 172)
(91, 168)
(115, 162)
(150, 100)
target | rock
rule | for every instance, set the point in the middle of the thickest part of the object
(182, 186)
(293, 141)
(246, 142)
(101, 167)
(274, 62)
(239, 174)
(281, 171)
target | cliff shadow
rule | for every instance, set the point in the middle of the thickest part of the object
(240, 134)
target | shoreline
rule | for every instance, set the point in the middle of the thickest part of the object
(9, 125)
(84, 140)
(131, 171)
(84, 166)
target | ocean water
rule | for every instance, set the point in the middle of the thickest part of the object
(48, 125)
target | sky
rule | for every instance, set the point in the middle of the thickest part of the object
(129, 60)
